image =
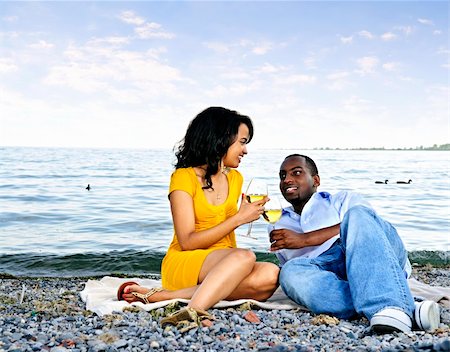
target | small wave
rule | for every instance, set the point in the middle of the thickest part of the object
(133, 262)
(130, 262)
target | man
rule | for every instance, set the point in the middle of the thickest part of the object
(339, 257)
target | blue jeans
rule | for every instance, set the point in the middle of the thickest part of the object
(362, 273)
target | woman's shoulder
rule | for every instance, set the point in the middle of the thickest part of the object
(182, 178)
(183, 172)
(235, 175)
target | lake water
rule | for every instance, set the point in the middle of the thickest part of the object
(51, 225)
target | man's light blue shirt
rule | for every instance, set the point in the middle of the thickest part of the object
(322, 210)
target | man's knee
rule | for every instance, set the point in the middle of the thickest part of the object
(358, 211)
(357, 217)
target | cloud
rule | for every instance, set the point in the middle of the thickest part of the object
(310, 62)
(234, 74)
(346, 40)
(295, 79)
(262, 48)
(144, 29)
(390, 66)
(9, 35)
(366, 64)
(41, 44)
(7, 65)
(356, 105)
(388, 36)
(106, 70)
(257, 48)
(10, 18)
(236, 89)
(425, 21)
(366, 34)
(152, 30)
(269, 68)
(131, 18)
(217, 47)
(407, 30)
(338, 80)
(113, 40)
(437, 32)
(337, 75)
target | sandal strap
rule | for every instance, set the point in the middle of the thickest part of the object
(145, 296)
(186, 314)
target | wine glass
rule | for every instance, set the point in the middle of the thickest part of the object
(272, 210)
(256, 190)
(272, 213)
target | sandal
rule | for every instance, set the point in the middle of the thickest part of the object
(143, 296)
(186, 314)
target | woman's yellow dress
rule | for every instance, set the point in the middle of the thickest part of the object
(180, 268)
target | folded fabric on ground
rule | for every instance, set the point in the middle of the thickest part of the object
(100, 296)
(423, 291)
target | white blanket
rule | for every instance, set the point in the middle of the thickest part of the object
(100, 296)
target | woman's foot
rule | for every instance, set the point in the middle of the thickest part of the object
(132, 292)
(186, 314)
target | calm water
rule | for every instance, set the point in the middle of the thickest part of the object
(51, 225)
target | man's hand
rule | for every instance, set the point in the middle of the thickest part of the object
(284, 238)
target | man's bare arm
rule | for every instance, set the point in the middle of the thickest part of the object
(283, 238)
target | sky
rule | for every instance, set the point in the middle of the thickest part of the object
(310, 74)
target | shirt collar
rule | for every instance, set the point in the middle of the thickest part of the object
(289, 211)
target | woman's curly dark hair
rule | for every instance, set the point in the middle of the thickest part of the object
(208, 138)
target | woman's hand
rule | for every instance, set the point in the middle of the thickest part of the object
(249, 212)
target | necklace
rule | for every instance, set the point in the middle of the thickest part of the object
(218, 195)
(217, 191)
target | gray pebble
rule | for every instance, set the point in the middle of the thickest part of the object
(26, 328)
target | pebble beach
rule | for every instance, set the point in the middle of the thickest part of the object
(47, 314)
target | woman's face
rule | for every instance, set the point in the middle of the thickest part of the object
(238, 149)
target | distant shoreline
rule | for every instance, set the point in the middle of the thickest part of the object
(435, 147)
(442, 147)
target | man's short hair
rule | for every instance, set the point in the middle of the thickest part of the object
(309, 163)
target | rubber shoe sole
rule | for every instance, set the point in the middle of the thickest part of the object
(390, 320)
(426, 315)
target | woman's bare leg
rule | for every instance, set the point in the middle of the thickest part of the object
(222, 271)
(226, 273)
(260, 284)
(210, 262)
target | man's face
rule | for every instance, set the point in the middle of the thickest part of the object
(297, 184)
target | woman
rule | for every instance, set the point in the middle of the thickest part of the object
(202, 263)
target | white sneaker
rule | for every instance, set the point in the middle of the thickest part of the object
(390, 320)
(426, 315)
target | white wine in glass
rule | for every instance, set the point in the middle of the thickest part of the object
(256, 190)
(272, 210)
